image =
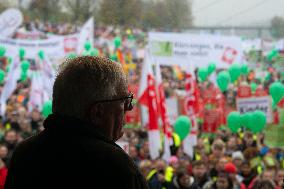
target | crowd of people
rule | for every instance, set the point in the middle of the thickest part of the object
(224, 160)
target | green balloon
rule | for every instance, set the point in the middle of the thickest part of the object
(117, 42)
(276, 90)
(223, 80)
(113, 57)
(131, 37)
(244, 69)
(202, 74)
(41, 55)
(71, 55)
(272, 54)
(246, 120)
(2, 51)
(2, 76)
(22, 53)
(182, 126)
(259, 121)
(94, 52)
(234, 121)
(25, 65)
(86, 53)
(47, 108)
(253, 87)
(88, 46)
(235, 71)
(24, 76)
(274, 106)
(211, 68)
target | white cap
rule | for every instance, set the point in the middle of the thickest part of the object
(238, 155)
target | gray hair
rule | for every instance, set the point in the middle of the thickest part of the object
(83, 80)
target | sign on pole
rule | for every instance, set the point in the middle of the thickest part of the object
(256, 103)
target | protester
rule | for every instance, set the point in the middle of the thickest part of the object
(200, 175)
(182, 180)
(223, 182)
(90, 99)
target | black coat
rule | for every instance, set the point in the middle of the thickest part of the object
(71, 154)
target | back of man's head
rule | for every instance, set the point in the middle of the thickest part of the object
(82, 81)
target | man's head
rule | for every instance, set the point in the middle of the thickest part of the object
(11, 137)
(218, 148)
(220, 166)
(268, 174)
(145, 167)
(237, 158)
(93, 89)
(198, 169)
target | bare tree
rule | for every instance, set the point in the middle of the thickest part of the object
(80, 10)
(277, 27)
(120, 12)
(46, 10)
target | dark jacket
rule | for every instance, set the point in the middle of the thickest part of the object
(71, 154)
(201, 183)
(154, 183)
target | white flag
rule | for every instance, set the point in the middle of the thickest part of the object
(37, 91)
(10, 84)
(86, 34)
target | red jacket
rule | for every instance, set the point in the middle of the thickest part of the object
(3, 174)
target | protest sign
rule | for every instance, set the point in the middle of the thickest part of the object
(256, 103)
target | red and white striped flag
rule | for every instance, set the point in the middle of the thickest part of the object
(163, 114)
(191, 107)
(147, 97)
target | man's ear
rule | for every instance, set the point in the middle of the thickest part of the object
(96, 112)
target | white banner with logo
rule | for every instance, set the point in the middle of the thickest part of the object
(256, 103)
(10, 20)
(199, 50)
(54, 47)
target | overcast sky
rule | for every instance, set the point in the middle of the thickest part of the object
(236, 12)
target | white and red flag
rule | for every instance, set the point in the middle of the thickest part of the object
(167, 130)
(191, 107)
(147, 97)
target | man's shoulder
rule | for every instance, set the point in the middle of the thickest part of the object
(110, 153)
(30, 144)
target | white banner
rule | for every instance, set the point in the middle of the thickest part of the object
(10, 20)
(256, 103)
(56, 47)
(199, 50)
